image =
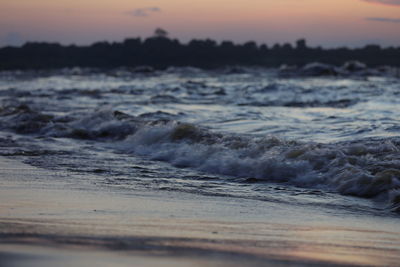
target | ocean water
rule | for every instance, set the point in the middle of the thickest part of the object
(328, 142)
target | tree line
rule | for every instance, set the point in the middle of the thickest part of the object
(160, 51)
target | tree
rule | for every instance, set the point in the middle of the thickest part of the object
(160, 33)
(301, 44)
(251, 46)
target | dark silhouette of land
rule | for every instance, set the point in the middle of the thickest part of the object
(160, 52)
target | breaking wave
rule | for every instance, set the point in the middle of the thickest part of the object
(368, 168)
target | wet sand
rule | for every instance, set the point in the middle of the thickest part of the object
(49, 218)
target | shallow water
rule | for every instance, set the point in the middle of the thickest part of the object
(327, 142)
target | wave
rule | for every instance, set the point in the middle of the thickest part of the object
(368, 168)
(172, 90)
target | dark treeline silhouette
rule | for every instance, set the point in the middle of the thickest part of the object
(160, 52)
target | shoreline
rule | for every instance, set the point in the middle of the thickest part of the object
(46, 215)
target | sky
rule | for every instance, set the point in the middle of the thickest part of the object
(327, 23)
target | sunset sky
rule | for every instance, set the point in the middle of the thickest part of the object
(329, 23)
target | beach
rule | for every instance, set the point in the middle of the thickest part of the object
(190, 167)
(62, 222)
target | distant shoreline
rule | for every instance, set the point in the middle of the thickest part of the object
(161, 52)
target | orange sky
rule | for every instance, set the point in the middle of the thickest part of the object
(322, 22)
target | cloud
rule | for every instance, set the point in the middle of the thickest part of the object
(385, 2)
(143, 12)
(391, 20)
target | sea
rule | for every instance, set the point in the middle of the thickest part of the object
(326, 141)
